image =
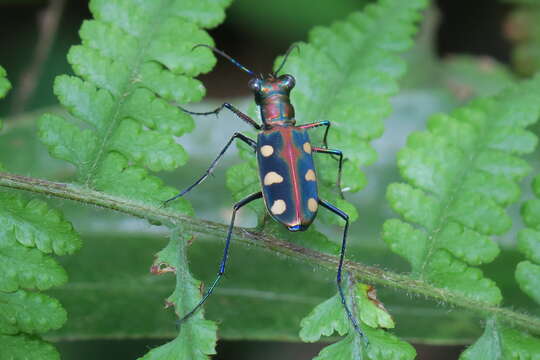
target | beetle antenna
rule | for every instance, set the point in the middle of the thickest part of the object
(217, 51)
(291, 48)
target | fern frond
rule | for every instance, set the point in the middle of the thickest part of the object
(5, 85)
(461, 175)
(29, 233)
(25, 347)
(30, 313)
(197, 337)
(346, 73)
(528, 271)
(500, 342)
(329, 316)
(136, 57)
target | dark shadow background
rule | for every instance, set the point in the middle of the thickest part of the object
(471, 27)
(466, 27)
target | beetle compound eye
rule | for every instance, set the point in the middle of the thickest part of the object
(287, 81)
(255, 84)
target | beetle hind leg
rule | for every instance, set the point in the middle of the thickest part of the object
(350, 315)
(223, 262)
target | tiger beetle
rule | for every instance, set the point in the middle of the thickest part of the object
(285, 161)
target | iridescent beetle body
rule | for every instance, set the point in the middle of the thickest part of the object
(284, 155)
(286, 167)
(287, 174)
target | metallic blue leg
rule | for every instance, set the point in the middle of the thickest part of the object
(237, 135)
(237, 112)
(221, 271)
(345, 217)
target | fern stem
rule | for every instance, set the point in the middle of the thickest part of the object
(158, 214)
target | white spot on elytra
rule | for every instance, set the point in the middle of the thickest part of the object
(272, 178)
(307, 147)
(267, 150)
(278, 207)
(310, 175)
(312, 204)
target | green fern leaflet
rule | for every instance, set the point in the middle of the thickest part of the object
(135, 59)
(462, 173)
(30, 232)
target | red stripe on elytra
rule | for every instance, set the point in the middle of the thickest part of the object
(291, 157)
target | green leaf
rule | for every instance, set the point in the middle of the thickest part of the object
(23, 311)
(528, 277)
(326, 318)
(487, 347)
(23, 267)
(529, 244)
(360, 65)
(135, 59)
(372, 311)
(348, 348)
(26, 347)
(499, 342)
(30, 232)
(528, 272)
(462, 173)
(386, 346)
(530, 212)
(329, 317)
(242, 180)
(205, 13)
(382, 346)
(346, 73)
(33, 224)
(5, 85)
(131, 182)
(197, 337)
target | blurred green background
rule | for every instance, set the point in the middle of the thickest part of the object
(255, 35)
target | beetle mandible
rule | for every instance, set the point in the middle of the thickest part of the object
(285, 161)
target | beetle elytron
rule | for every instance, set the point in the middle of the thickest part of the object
(286, 170)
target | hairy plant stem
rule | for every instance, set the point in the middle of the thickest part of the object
(159, 214)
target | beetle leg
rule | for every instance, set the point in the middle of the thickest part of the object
(340, 164)
(237, 112)
(223, 263)
(345, 217)
(236, 135)
(317, 124)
